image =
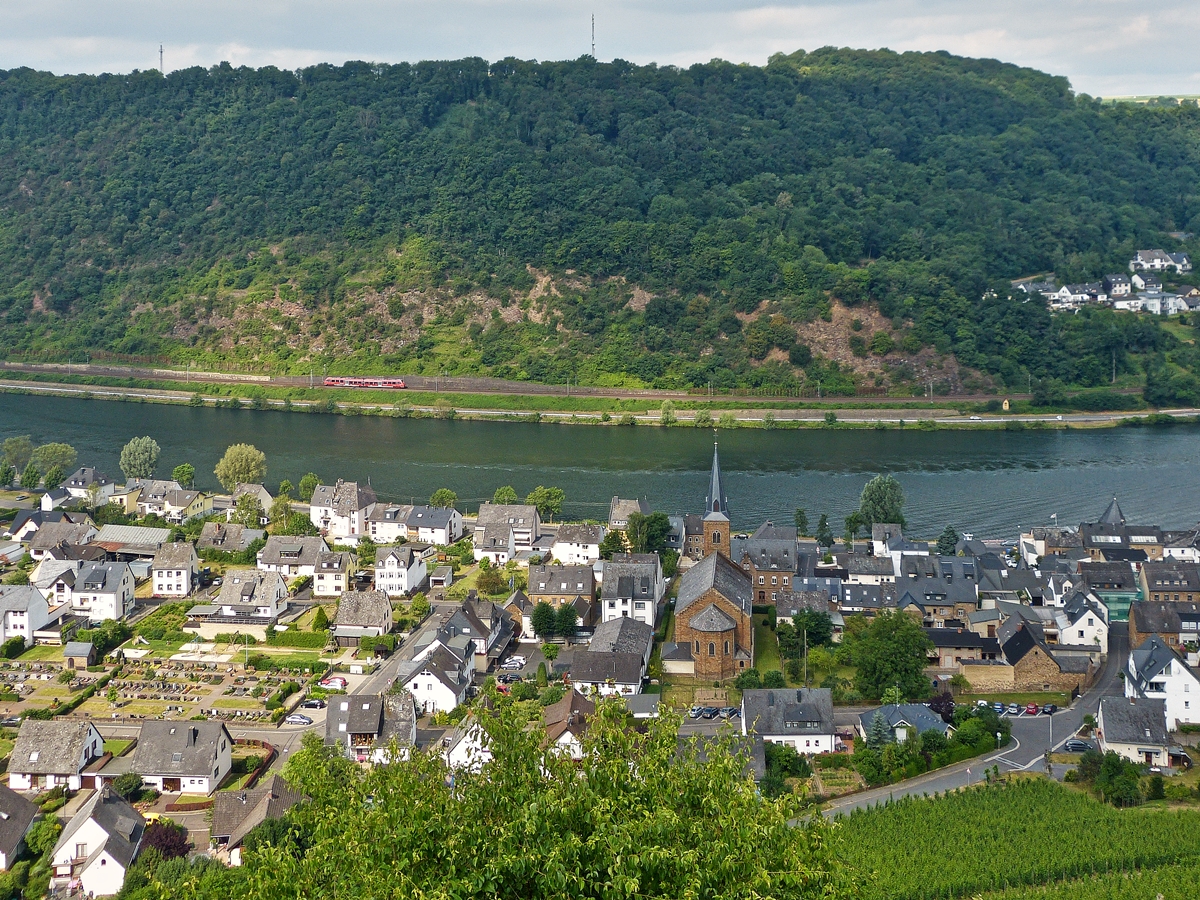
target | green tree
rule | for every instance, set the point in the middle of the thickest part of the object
(308, 484)
(566, 621)
(891, 697)
(854, 525)
(241, 464)
(55, 477)
(703, 418)
(18, 451)
(365, 552)
(43, 836)
(947, 542)
(667, 414)
(281, 508)
(248, 511)
(614, 542)
(550, 651)
(801, 522)
(543, 619)
(774, 679)
(492, 581)
(878, 732)
(139, 458)
(31, 477)
(128, 785)
(47, 456)
(882, 501)
(824, 534)
(548, 500)
(444, 498)
(185, 475)
(7, 474)
(648, 534)
(320, 620)
(892, 653)
(505, 496)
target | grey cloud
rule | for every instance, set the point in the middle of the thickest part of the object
(1105, 47)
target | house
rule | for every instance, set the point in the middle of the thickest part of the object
(867, 599)
(387, 523)
(623, 636)
(152, 500)
(1115, 584)
(377, 728)
(89, 484)
(236, 813)
(1117, 285)
(55, 578)
(291, 556)
(1170, 580)
(1134, 729)
(1040, 542)
(794, 602)
(771, 564)
(52, 535)
(183, 505)
(98, 845)
(713, 617)
(130, 542)
(952, 645)
(1153, 261)
(504, 530)
(361, 615)
(103, 591)
(398, 570)
(16, 818)
(332, 573)
(52, 500)
(442, 525)
(79, 655)
(693, 536)
(801, 718)
(51, 753)
(248, 597)
(441, 578)
(175, 570)
(467, 747)
(566, 723)
(881, 533)
(560, 584)
(1182, 261)
(439, 681)
(190, 757)
(1155, 671)
(607, 674)
(478, 630)
(342, 510)
(228, 538)
(632, 585)
(23, 612)
(1026, 663)
(1083, 622)
(28, 521)
(1176, 623)
(519, 609)
(862, 568)
(643, 706)
(577, 545)
(620, 510)
(259, 493)
(904, 721)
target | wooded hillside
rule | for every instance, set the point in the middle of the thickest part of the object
(609, 223)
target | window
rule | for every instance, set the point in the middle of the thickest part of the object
(727, 648)
(716, 538)
(786, 581)
(774, 581)
(762, 579)
(712, 649)
(697, 646)
(81, 851)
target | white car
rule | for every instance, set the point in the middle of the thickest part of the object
(976, 418)
(337, 684)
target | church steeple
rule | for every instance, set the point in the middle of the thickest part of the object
(1113, 515)
(716, 502)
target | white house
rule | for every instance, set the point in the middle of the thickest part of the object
(1135, 729)
(152, 499)
(55, 499)
(632, 586)
(504, 530)
(342, 510)
(398, 570)
(23, 611)
(1156, 672)
(103, 591)
(332, 573)
(259, 493)
(175, 569)
(467, 747)
(365, 726)
(799, 717)
(98, 845)
(248, 592)
(186, 757)
(54, 535)
(1082, 623)
(434, 524)
(577, 545)
(86, 482)
(1152, 261)
(614, 674)
(439, 680)
(52, 753)
(291, 556)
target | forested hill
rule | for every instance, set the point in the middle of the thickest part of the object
(606, 222)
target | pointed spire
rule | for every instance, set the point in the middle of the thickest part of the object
(1113, 515)
(716, 502)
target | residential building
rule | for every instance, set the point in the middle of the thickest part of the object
(519, 608)
(1134, 729)
(439, 681)
(51, 753)
(620, 510)
(175, 570)
(1026, 663)
(90, 485)
(467, 748)
(881, 534)
(623, 636)
(16, 818)
(236, 813)
(1115, 584)
(502, 531)
(152, 499)
(98, 845)
(388, 523)
(904, 721)
(188, 757)
(342, 510)
(801, 718)
(632, 585)
(1117, 285)
(249, 595)
(360, 616)
(771, 563)
(559, 584)
(952, 645)
(332, 573)
(577, 545)
(103, 591)
(292, 556)
(377, 728)
(27, 521)
(259, 493)
(1156, 261)
(24, 611)
(55, 535)
(228, 538)
(713, 618)
(1083, 622)
(434, 525)
(566, 723)
(55, 499)
(1112, 532)
(862, 568)
(184, 505)
(398, 570)
(607, 674)
(1171, 580)
(1155, 671)
(1178, 624)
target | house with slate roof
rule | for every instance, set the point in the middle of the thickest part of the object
(399, 570)
(175, 569)
(1135, 729)
(88, 481)
(236, 813)
(24, 611)
(342, 510)
(801, 718)
(713, 617)
(577, 545)
(361, 615)
(292, 556)
(249, 599)
(364, 726)
(52, 753)
(620, 510)
(632, 585)
(103, 591)
(1156, 672)
(440, 680)
(904, 721)
(332, 573)
(504, 530)
(64, 533)
(228, 537)
(1176, 623)
(189, 757)
(16, 818)
(607, 674)
(98, 845)
(566, 723)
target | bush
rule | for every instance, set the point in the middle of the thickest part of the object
(167, 838)
(128, 786)
(13, 647)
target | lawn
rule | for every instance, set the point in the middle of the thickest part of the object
(238, 703)
(116, 747)
(766, 647)
(42, 653)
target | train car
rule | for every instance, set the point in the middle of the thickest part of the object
(365, 382)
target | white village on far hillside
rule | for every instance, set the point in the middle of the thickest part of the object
(164, 648)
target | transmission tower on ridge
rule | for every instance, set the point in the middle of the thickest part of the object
(593, 35)
(160, 61)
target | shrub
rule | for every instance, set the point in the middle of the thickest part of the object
(167, 838)
(13, 647)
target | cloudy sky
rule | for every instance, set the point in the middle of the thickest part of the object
(1106, 47)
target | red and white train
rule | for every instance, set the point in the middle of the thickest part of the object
(365, 382)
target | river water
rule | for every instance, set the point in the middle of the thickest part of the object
(986, 482)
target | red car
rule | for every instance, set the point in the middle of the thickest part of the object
(1031, 709)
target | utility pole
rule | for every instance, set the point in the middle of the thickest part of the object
(160, 61)
(806, 657)
(593, 35)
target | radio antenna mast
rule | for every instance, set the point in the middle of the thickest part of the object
(593, 35)
(160, 61)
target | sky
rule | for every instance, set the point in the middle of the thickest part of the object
(1106, 48)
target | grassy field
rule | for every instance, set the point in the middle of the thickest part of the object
(238, 703)
(42, 653)
(766, 647)
(116, 747)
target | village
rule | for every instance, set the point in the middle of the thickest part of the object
(1140, 291)
(164, 649)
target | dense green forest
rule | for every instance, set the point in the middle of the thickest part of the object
(604, 223)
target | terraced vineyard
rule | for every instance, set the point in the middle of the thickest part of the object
(1014, 838)
(1169, 883)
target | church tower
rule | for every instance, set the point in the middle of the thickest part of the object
(716, 512)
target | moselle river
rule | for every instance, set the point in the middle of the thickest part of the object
(986, 482)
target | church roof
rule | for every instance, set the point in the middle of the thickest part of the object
(1113, 515)
(716, 503)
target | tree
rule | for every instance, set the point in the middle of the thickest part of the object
(248, 511)
(824, 534)
(667, 413)
(801, 522)
(816, 624)
(185, 474)
(308, 484)
(444, 498)
(892, 697)
(614, 542)
(47, 456)
(878, 732)
(139, 458)
(882, 501)
(286, 487)
(55, 477)
(281, 508)
(892, 653)
(550, 651)
(18, 451)
(30, 477)
(854, 524)
(548, 500)
(7, 474)
(167, 838)
(365, 552)
(566, 621)
(491, 581)
(943, 705)
(947, 542)
(242, 464)
(43, 836)
(543, 619)
(128, 785)
(774, 679)
(505, 496)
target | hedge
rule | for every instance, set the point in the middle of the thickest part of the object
(305, 640)
(285, 690)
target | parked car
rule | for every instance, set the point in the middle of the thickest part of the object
(1032, 709)
(711, 712)
(730, 712)
(297, 719)
(313, 703)
(11, 722)
(998, 708)
(976, 418)
(1049, 709)
(334, 682)
(1075, 745)
(512, 664)
(508, 678)
(1014, 709)
(695, 712)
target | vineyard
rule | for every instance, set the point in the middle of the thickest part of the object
(1013, 836)
(1169, 883)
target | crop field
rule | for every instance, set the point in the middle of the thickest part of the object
(1014, 837)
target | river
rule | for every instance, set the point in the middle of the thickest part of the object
(987, 482)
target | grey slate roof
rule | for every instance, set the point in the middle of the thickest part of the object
(250, 588)
(364, 609)
(1137, 721)
(712, 619)
(767, 554)
(1113, 515)
(630, 576)
(58, 743)
(1150, 660)
(619, 511)
(382, 715)
(794, 711)
(104, 578)
(122, 823)
(179, 748)
(404, 556)
(442, 665)
(229, 538)
(1172, 575)
(562, 580)
(769, 531)
(53, 533)
(289, 550)
(16, 815)
(862, 564)
(78, 649)
(1161, 617)
(236, 812)
(345, 498)
(18, 597)
(1108, 576)
(84, 477)
(579, 534)
(597, 668)
(179, 555)
(621, 635)
(920, 717)
(429, 517)
(715, 571)
(334, 561)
